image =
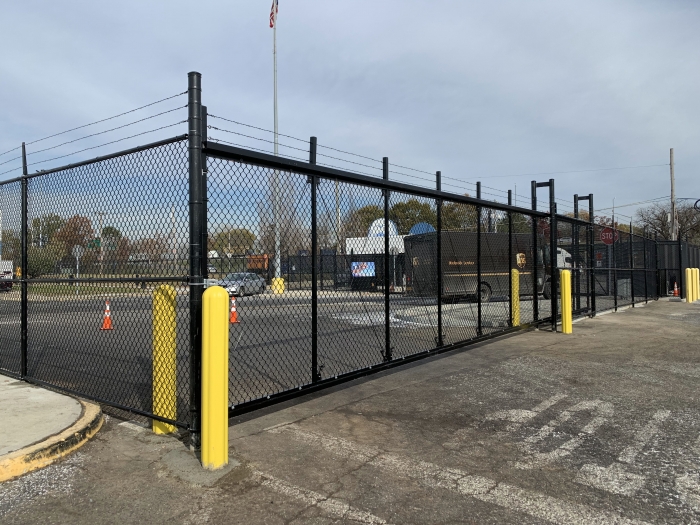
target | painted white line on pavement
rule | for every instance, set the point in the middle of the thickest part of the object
(334, 507)
(643, 436)
(616, 478)
(518, 416)
(481, 488)
(603, 409)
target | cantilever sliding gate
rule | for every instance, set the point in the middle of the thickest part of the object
(336, 273)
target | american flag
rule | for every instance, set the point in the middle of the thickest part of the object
(273, 12)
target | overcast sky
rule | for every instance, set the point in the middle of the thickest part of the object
(491, 91)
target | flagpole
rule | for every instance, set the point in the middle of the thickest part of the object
(278, 262)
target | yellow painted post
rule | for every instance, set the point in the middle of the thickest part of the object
(696, 281)
(515, 295)
(688, 285)
(164, 358)
(215, 325)
(566, 314)
(277, 285)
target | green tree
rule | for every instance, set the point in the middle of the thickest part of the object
(43, 260)
(357, 223)
(458, 216)
(43, 229)
(409, 213)
(11, 247)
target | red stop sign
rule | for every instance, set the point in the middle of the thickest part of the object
(609, 236)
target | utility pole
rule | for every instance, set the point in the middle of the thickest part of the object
(674, 218)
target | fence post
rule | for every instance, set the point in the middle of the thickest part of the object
(23, 265)
(592, 252)
(194, 105)
(438, 248)
(205, 201)
(576, 257)
(215, 324)
(313, 179)
(646, 269)
(387, 330)
(535, 254)
(680, 266)
(614, 260)
(164, 358)
(478, 261)
(510, 264)
(553, 254)
(631, 243)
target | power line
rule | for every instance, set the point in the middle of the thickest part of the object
(106, 119)
(570, 172)
(636, 203)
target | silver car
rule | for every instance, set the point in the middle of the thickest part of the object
(243, 283)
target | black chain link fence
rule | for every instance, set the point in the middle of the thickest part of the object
(334, 274)
(101, 238)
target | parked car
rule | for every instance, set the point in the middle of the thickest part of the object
(243, 283)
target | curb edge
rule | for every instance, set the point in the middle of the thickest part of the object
(55, 447)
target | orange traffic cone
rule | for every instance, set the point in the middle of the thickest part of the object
(107, 321)
(234, 314)
(675, 290)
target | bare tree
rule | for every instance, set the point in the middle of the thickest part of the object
(657, 219)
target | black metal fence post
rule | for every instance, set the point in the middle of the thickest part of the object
(510, 260)
(576, 257)
(24, 321)
(438, 259)
(535, 255)
(631, 243)
(646, 269)
(680, 269)
(313, 179)
(554, 288)
(205, 201)
(614, 260)
(591, 247)
(387, 313)
(194, 124)
(478, 261)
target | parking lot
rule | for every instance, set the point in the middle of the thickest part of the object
(270, 348)
(598, 427)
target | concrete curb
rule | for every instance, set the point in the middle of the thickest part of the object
(54, 447)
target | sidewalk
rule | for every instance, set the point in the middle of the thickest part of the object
(40, 426)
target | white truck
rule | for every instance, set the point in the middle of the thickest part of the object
(5, 275)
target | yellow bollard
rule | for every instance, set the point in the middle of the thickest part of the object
(565, 290)
(277, 285)
(696, 281)
(515, 296)
(215, 378)
(688, 285)
(164, 359)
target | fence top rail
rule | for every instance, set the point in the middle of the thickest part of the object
(226, 152)
(97, 159)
